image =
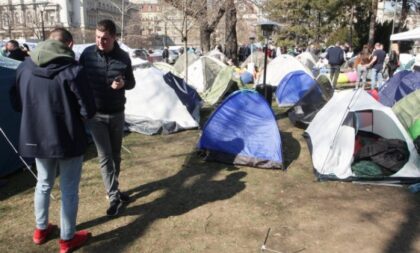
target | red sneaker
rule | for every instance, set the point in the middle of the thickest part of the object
(79, 239)
(40, 236)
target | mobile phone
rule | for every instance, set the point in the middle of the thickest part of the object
(117, 78)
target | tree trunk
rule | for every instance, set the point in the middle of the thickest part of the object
(372, 23)
(231, 42)
(205, 34)
(403, 17)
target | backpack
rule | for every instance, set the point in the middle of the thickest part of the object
(390, 154)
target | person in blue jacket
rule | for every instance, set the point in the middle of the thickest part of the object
(109, 74)
(52, 94)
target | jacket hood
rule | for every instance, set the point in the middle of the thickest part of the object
(51, 57)
(49, 51)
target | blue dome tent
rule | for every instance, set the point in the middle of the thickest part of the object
(292, 87)
(399, 86)
(9, 119)
(243, 131)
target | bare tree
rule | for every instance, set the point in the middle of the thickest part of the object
(373, 22)
(199, 10)
(231, 42)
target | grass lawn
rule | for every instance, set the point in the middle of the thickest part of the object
(183, 204)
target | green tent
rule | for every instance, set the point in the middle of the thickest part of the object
(223, 85)
(180, 63)
(408, 112)
(165, 67)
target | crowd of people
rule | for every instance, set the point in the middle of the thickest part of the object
(58, 97)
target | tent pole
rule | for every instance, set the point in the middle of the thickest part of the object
(355, 95)
(20, 157)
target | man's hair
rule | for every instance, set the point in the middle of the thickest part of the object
(61, 34)
(107, 25)
(14, 43)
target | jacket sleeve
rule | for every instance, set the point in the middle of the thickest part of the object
(130, 82)
(84, 94)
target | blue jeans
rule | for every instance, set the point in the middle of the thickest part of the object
(70, 172)
(107, 132)
(376, 75)
(361, 75)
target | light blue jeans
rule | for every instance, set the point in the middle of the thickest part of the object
(376, 75)
(107, 132)
(70, 170)
(361, 75)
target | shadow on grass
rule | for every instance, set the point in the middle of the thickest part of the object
(16, 183)
(291, 148)
(406, 235)
(22, 179)
(191, 187)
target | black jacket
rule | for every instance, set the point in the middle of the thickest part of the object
(53, 100)
(335, 56)
(18, 54)
(101, 70)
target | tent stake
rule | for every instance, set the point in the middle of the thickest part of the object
(264, 248)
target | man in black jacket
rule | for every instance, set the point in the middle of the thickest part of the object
(50, 92)
(110, 74)
(12, 47)
(335, 57)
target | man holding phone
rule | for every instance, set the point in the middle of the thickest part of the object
(109, 73)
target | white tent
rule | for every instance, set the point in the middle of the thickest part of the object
(153, 106)
(331, 139)
(279, 67)
(408, 35)
(307, 59)
(203, 72)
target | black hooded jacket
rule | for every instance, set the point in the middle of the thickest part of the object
(52, 94)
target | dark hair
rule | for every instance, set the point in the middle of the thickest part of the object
(14, 43)
(26, 46)
(61, 34)
(107, 25)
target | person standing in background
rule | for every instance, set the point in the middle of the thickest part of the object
(165, 54)
(361, 63)
(394, 60)
(14, 51)
(109, 74)
(377, 64)
(335, 57)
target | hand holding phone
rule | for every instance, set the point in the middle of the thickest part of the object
(118, 83)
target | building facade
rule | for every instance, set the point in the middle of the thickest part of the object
(29, 18)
